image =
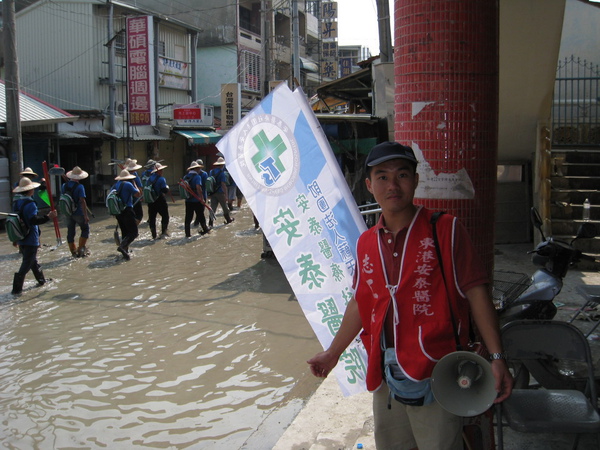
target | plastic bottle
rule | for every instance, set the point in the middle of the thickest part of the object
(586, 210)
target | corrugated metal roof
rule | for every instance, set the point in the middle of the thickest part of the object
(33, 110)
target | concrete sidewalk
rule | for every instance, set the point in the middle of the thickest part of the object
(330, 421)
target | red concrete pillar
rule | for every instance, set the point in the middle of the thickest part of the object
(446, 104)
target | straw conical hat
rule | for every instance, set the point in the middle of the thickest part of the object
(25, 184)
(194, 165)
(133, 165)
(77, 174)
(158, 167)
(125, 175)
(28, 171)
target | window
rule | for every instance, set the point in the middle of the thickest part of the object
(250, 71)
(250, 19)
(121, 43)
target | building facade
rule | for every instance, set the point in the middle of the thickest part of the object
(77, 56)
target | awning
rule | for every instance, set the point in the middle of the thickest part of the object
(147, 137)
(199, 137)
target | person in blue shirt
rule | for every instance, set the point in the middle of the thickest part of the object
(220, 196)
(158, 206)
(80, 216)
(25, 205)
(146, 173)
(195, 203)
(127, 221)
(203, 177)
(132, 167)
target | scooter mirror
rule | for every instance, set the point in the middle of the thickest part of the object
(587, 230)
(536, 220)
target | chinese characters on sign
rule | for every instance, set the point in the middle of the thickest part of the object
(345, 66)
(140, 71)
(329, 34)
(230, 105)
(173, 74)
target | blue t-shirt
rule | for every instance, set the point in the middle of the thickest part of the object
(77, 192)
(220, 178)
(26, 206)
(137, 180)
(203, 177)
(194, 180)
(145, 175)
(126, 191)
(159, 184)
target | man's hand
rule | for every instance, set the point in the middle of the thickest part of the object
(504, 380)
(322, 363)
(52, 214)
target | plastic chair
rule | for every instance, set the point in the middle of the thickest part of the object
(548, 410)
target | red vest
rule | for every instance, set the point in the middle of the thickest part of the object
(423, 330)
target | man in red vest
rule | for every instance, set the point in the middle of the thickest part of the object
(410, 311)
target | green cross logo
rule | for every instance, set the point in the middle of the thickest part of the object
(267, 161)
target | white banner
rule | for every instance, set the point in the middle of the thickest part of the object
(279, 157)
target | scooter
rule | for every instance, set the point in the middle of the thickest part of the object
(522, 298)
(533, 299)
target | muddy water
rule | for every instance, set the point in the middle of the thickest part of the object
(194, 343)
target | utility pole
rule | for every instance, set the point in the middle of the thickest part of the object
(385, 35)
(266, 37)
(296, 43)
(11, 86)
(112, 89)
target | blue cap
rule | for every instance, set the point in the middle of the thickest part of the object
(389, 150)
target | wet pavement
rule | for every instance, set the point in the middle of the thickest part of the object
(193, 343)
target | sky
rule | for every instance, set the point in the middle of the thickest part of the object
(357, 23)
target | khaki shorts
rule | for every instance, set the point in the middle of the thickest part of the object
(404, 427)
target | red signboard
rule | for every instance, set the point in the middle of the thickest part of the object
(191, 112)
(140, 71)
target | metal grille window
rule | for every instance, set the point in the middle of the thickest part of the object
(576, 113)
(250, 71)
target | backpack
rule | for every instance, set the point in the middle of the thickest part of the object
(148, 192)
(210, 185)
(114, 202)
(228, 178)
(66, 204)
(16, 228)
(185, 188)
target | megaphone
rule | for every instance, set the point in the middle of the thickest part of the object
(463, 384)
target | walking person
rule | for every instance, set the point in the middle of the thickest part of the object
(127, 192)
(149, 167)
(195, 204)
(132, 167)
(25, 205)
(79, 216)
(159, 204)
(220, 196)
(203, 177)
(409, 316)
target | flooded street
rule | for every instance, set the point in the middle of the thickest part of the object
(194, 343)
